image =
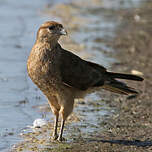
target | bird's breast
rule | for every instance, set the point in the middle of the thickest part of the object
(43, 69)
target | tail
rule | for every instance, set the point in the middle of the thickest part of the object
(124, 76)
(119, 87)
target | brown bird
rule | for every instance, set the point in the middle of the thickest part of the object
(63, 76)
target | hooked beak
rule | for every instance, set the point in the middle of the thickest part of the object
(63, 32)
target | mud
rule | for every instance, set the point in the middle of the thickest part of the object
(130, 128)
(21, 102)
(116, 35)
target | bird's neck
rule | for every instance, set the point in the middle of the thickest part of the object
(50, 44)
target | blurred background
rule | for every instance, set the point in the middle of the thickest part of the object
(92, 27)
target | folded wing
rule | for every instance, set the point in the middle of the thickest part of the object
(79, 73)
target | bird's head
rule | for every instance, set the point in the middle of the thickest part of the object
(50, 31)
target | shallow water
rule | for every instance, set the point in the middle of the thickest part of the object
(19, 20)
(19, 97)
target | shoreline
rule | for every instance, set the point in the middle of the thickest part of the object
(129, 128)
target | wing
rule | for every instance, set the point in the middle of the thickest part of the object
(79, 73)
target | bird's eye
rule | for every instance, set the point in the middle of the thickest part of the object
(51, 27)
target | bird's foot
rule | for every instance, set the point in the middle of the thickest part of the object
(61, 139)
(54, 137)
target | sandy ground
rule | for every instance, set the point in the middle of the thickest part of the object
(130, 128)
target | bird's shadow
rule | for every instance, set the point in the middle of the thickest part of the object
(138, 143)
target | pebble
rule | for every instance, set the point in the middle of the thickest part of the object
(137, 18)
(38, 123)
(136, 72)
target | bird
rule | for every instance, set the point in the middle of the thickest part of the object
(63, 76)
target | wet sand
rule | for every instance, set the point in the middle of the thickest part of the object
(21, 102)
(125, 122)
(130, 129)
(19, 21)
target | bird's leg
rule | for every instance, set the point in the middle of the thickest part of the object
(64, 112)
(60, 138)
(55, 135)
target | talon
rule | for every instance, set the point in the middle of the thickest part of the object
(54, 137)
(61, 139)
